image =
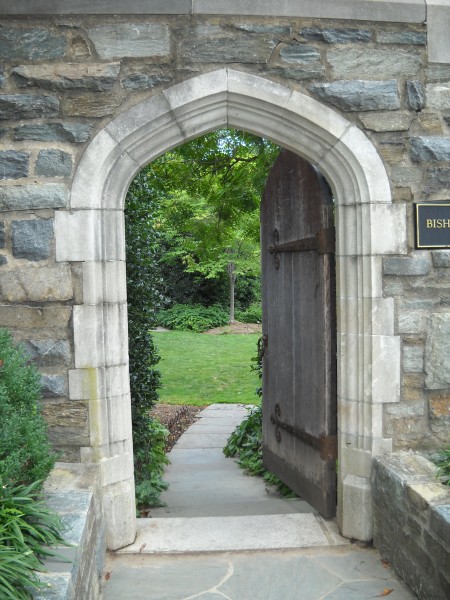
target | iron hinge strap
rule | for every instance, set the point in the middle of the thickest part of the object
(323, 242)
(325, 444)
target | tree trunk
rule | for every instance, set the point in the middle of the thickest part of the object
(232, 278)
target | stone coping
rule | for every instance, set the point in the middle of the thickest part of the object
(403, 11)
(412, 522)
(72, 491)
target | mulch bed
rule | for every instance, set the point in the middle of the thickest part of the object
(176, 419)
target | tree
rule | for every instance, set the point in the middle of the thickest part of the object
(208, 203)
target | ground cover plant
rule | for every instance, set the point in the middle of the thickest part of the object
(202, 369)
(245, 443)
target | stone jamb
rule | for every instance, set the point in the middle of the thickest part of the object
(368, 350)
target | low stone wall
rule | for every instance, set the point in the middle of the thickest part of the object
(73, 492)
(412, 522)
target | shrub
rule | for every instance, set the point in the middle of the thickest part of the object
(193, 317)
(27, 529)
(25, 452)
(252, 314)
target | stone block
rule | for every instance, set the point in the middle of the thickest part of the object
(13, 164)
(430, 149)
(410, 321)
(97, 77)
(437, 179)
(373, 63)
(439, 405)
(49, 352)
(412, 359)
(421, 495)
(407, 266)
(215, 44)
(32, 239)
(67, 421)
(299, 54)
(54, 132)
(385, 369)
(31, 44)
(91, 105)
(104, 282)
(440, 522)
(331, 35)
(438, 39)
(134, 40)
(357, 502)
(3, 260)
(437, 351)
(119, 505)
(270, 29)
(403, 410)
(415, 38)
(2, 78)
(36, 284)
(441, 259)
(438, 96)
(27, 106)
(311, 71)
(359, 95)
(380, 121)
(415, 95)
(53, 163)
(145, 81)
(89, 235)
(430, 122)
(48, 318)
(29, 197)
(2, 234)
(53, 386)
(405, 175)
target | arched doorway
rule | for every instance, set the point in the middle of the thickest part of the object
(368, 226)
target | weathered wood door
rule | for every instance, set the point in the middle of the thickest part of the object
(299, 362)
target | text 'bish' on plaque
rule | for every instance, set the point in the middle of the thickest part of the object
(432, 224)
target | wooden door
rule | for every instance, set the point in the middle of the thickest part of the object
(299, 329)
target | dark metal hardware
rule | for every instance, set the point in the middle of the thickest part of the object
(326, 444)
(323, 242)
(262, 345)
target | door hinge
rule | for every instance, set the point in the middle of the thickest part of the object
(325, 444)
(323, 242)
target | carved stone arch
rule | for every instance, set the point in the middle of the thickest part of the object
(368, 226)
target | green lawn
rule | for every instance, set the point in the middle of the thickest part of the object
(202, 369)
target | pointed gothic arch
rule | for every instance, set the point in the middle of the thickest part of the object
(368, 226)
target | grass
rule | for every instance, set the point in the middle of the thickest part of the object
(201, 369)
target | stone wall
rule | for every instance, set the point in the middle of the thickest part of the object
(412, 522)
(64, 78)
(73, 492)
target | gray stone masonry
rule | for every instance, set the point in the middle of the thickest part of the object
(31, 239)
(412, 522)
(64, 79)
(53, 163)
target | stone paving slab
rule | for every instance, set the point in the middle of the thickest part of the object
(337, 573)
(217, 534)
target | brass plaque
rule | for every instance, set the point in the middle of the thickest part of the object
(432, 224)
